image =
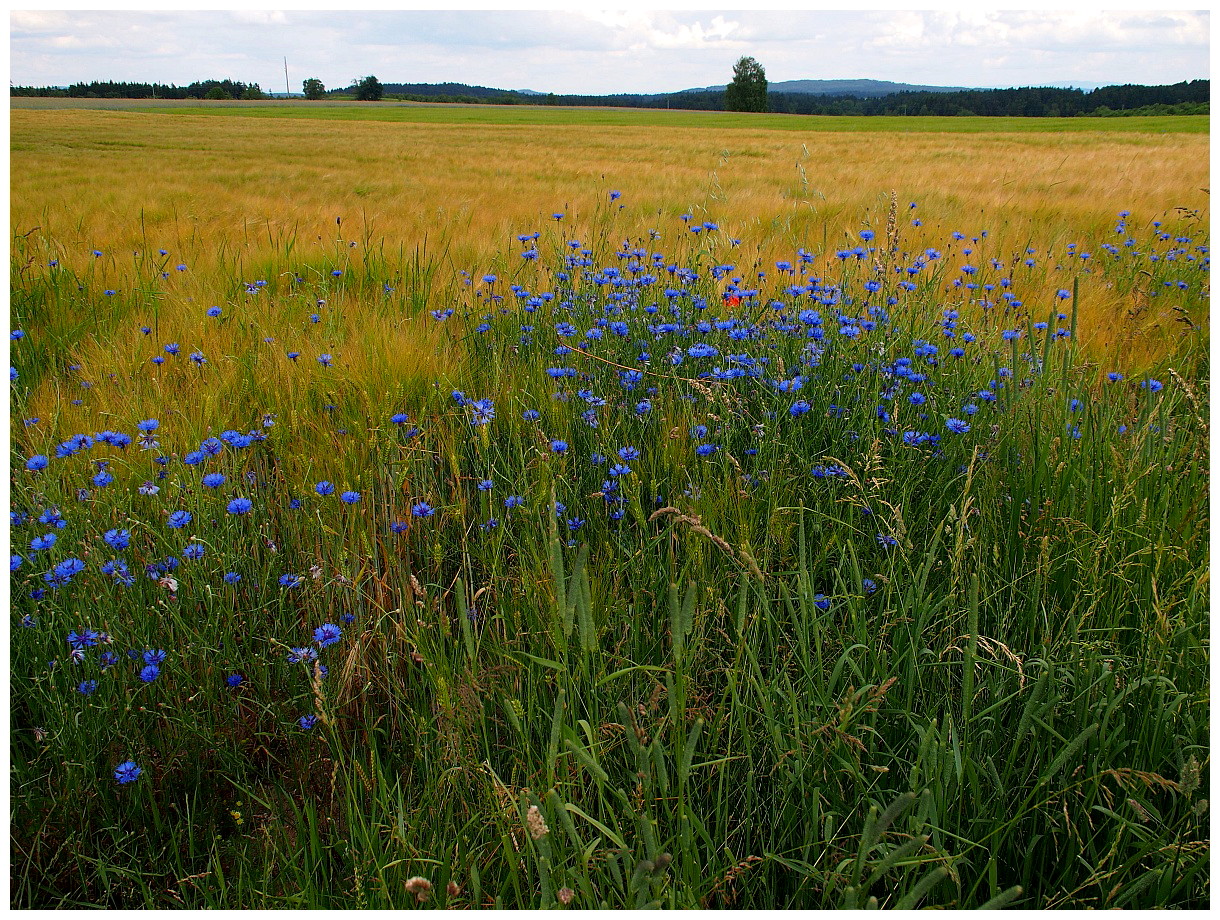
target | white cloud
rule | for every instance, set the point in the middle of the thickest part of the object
(260, 17)
(608, 51)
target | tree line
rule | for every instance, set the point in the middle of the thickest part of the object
(107, 89)
(1188, 97)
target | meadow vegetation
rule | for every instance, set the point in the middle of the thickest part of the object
(445, 512)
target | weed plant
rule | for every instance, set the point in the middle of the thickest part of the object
(627, 570)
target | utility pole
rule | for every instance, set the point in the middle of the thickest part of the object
(287, 86)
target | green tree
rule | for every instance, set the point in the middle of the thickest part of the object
(217, 92)
(254, 92)
(313, 88)
(748, 91)
(369, 89)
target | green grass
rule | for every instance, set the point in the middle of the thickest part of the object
(609, 117)
(734, 694)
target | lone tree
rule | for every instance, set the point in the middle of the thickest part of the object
(369, 89)
(313, 88)
(748, 91)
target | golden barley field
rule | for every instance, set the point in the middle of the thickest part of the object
(221, 182)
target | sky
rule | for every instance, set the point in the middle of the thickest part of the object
(637, 50)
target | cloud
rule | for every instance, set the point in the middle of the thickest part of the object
(260, 17)
(609, 51)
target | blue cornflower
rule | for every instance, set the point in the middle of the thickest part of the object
(486, 485)
(233, 681)
(325, 360)
(127, 772)
(619, 469)
(398, 526)
(799, 408)
(118, 539)
(178, 520)
(154, 656)
(514, 501)
(483, 411)
(52, 517)
(37, 462)
(44, 542)
(86, 687)
(627, 454)
(68, 568)
(231, 578)
(868, 585)
(574, 524)
(102, 479)
(149, 673)
(559, 447)
(1153, 386)
(297, 655)
(194, 551)
(530, 415)
(291, 581)
(307, 722)
(14, 562)
(886, 540)
(86, 638)
(349, 497)
(1114, 376)
(213, 480)
(821, 601)
(327, 634)
(706, 450)
(643, 407)
(399, 418)
(325, 487)
(422, 510)
(198, 358)
(957, 426)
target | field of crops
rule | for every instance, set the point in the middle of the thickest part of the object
(532, 508)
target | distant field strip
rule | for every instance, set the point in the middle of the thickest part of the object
(447, 113)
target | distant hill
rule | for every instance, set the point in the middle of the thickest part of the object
(863, 89)
(451, 89)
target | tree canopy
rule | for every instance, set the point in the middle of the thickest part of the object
(748, 91)
(369, 89)
(313, 88)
